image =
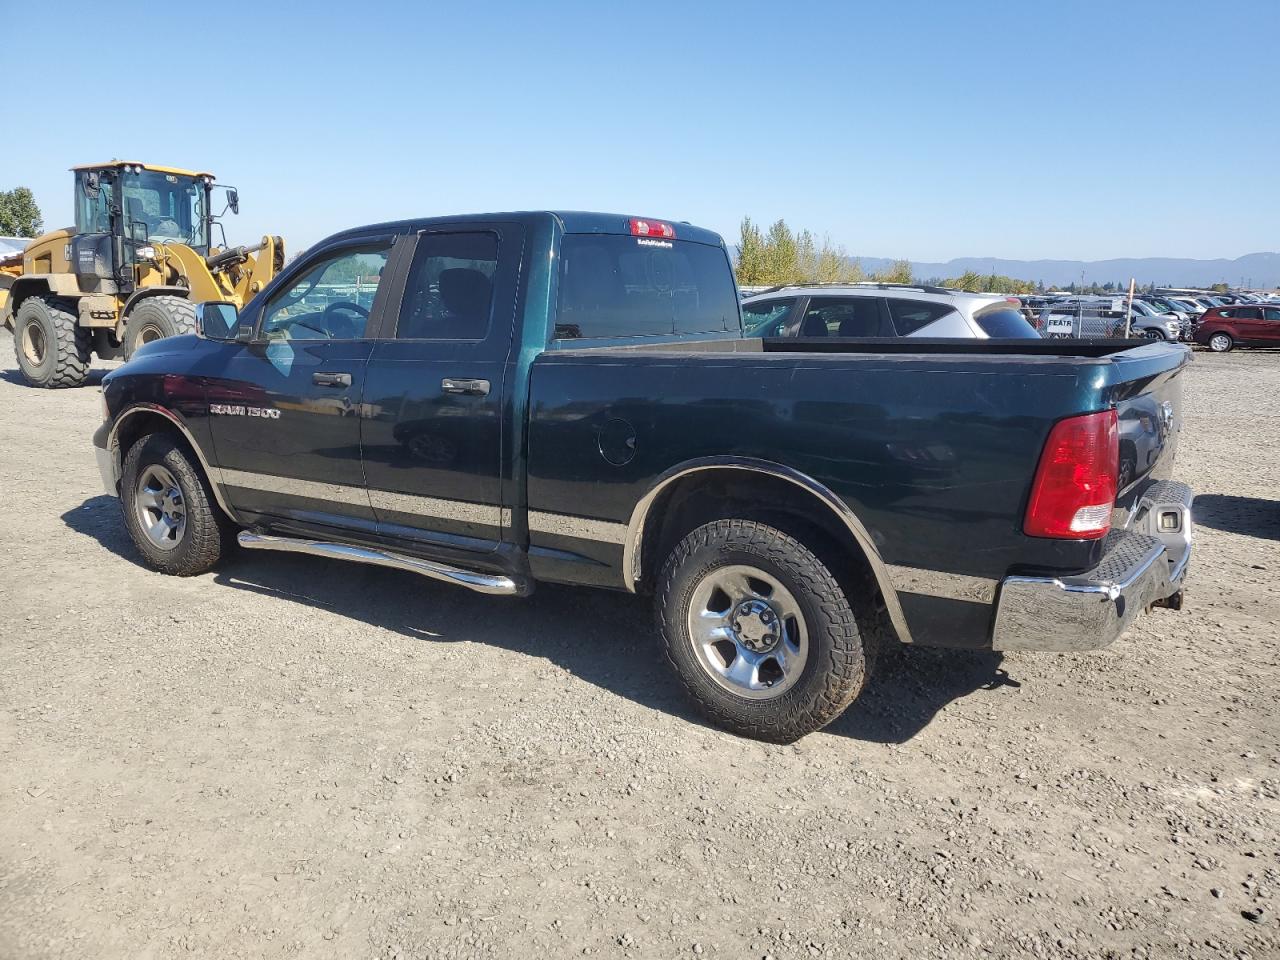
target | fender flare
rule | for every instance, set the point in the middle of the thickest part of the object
(632, 566)
(212, 473)
(21, 287)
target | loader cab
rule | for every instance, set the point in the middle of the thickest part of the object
(142, 204)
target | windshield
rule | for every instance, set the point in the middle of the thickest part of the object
(170, 205)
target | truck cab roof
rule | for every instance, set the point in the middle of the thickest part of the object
(568, 221)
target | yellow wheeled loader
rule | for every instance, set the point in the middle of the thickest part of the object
(131, 270)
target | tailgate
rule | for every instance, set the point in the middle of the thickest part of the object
(1146, 388)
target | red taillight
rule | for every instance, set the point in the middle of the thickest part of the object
(1075, 486)
(653, 228)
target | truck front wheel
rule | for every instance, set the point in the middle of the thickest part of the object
(168, 509)
(156, 318)
(52, 347)
(759, 631)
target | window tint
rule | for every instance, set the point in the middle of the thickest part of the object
(1005, 322)
(615, 286)
(842, 317)
(910, 315)
(1273, 313)
(331, 300)
(449, 293)
(757, 317)
(1245, 313)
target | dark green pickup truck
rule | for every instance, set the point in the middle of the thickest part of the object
(498, 400)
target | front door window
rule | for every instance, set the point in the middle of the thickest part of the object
(329, 301)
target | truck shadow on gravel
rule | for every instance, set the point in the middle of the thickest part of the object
(1250, 516)
(607, 639)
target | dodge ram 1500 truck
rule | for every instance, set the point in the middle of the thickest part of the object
(498, 400)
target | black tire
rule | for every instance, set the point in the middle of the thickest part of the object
(156, 318)
(1153, 334)
(834, 668)
(53, 349)
(1221, 342)
(206, 534)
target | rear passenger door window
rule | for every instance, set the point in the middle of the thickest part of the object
(449, 292)
(843, 317)
(912, 315)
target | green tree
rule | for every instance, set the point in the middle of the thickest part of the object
(1220, 288)
(751, 254)
(783, 256)
(19, 215)
(781, 259)
(900, 272)
(969, 281)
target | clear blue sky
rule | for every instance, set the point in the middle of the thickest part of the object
(921, 130)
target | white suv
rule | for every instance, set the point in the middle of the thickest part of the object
(882, 310)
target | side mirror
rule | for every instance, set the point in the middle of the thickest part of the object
(233, 201)
(137, 231)
(216, 320)
(92, 185)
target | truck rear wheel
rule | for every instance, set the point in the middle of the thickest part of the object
(169, 510)
(759, 631)
(52, 347)
(156, 318)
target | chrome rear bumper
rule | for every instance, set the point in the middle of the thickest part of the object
(1144, 565)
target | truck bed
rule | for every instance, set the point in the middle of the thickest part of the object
(932, 444)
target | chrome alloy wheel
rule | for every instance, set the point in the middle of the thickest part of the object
(748, 632)
(159, 507)
(1220, 342)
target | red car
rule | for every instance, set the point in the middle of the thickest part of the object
(1239, 325)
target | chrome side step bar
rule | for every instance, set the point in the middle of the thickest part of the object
(480, 582)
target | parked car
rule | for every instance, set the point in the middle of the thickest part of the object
(1255, 325)
(882, 310)
(1091, 316)
(1180, 312)
(1194, 304)
(1146, 321)
(570, 398)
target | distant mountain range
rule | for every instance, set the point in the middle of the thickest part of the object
(1252, 270)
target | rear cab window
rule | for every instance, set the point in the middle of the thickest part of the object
(617, 286)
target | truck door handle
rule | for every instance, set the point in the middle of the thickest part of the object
(331, 379)
(473, 388)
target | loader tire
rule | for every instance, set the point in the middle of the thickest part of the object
(156, 318)
(51, 346)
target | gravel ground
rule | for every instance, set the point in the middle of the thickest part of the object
(299, 757)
